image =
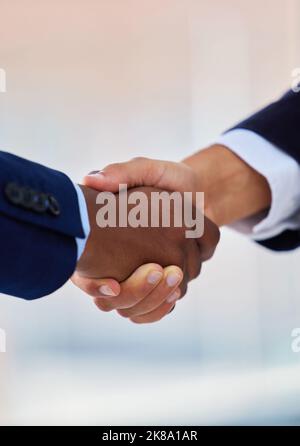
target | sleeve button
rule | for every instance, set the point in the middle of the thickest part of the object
(28, 196)
(53, 205)
(40, 203)
(13, 193)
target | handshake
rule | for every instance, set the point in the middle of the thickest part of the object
(151, 264)
(142, 270)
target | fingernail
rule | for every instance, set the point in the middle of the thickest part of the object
(106, 291)
(174, 296)
(96, 172)
(172, 279)
(154, 277)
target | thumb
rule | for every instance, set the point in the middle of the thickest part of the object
(137, 172)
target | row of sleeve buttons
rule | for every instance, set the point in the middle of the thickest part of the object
(30, 199)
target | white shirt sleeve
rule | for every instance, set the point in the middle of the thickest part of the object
(84, 221)
(283, 174)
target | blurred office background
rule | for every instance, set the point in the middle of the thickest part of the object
(91, 82)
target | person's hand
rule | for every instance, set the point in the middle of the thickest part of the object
(142, 171)
(117, 251)
(233, 189)
(108, 293)
(146, 296)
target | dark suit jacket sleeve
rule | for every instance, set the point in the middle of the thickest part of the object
(39, 221)
(279, 123)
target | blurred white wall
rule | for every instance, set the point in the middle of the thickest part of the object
(92, 82)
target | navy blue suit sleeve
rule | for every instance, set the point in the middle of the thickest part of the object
(279, 123)
(40, 219)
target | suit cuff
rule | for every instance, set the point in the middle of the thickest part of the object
(283, 175)
(81, 242)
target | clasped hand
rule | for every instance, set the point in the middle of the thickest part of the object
(141, 272)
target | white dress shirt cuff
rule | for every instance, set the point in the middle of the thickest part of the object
(84, 221)
(283, 175)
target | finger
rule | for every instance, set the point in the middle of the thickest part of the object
(136, 287)
(137, 172)
(103, 305)
(172, 309)
(165, 291)
(143, 172)
(154, 316)
(209, 240)
(193, 259)
(97, 287)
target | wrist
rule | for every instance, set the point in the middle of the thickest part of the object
(233, 190)
(89, 196)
